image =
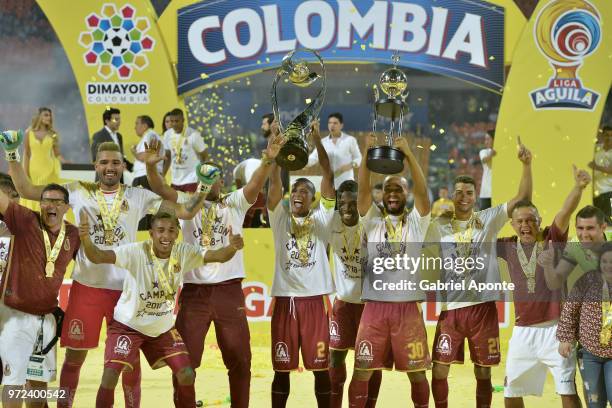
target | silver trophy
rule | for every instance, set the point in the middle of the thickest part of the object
(294, 153)
(386, 159)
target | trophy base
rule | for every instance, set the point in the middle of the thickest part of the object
(292, 156)
(390, 107)
(385, 160)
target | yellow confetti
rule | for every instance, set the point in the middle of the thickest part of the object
(491, 58)
(356, 69)
(308, 100)
(252, 111)
(348, 92)
(363, 47)
(419, 146)
(441, 131)
(433, 125)
(203, 76)
(433, 147)
(451, 161)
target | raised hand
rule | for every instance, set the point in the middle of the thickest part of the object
(547, 256)
(315, 130)
(235, 241)
(582, 177)
(275, 143)
(207, 175)
(401, 143)
(10, 141)
(83, 224)
(371, 140)
(153, 152)
(524, 155)
(275, 127)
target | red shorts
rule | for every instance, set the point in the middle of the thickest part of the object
(477, 323)
(124, 343)
(344, 324)
(300, 322)
(389, 333)
(87, 307)
(223, 304)
(186, 188)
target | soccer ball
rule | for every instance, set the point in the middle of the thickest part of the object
(116, 41)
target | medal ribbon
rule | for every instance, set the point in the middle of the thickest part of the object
(352, 250)
(606, 316)
(164, 278)
(394, 234)
(110, 217)
(463, 239)
(53, 253)
(178, 146)
(302, 233)
(529, 266)
(208, 218)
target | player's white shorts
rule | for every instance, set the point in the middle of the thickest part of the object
(533, 351)
(18, 335)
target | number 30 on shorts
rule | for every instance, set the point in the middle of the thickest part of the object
(415, 350)
(494, 345)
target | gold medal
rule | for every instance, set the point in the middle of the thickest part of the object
(205, 241)
(49, 269)
(302, 233)
(531, 283)
(303, 256)
(208, 217)
(178, 148)
(110, 216)
(53, 253)
(528, 266)
(109, 237)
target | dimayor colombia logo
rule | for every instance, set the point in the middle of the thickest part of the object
(566, 32)
(116, 41)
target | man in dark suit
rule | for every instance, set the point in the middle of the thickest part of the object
(109, 133)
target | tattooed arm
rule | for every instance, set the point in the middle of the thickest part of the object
(188, 210)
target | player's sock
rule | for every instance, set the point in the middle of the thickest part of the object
(374, 388)
(337, 376)
(439, 389)
(280, 389)
(419, 391)
(69, 380)
(358, 394)
(322, 388)
(131, 386)
(484, 393)
(105, 398)
(185, 396)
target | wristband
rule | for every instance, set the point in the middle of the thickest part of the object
(12, 155)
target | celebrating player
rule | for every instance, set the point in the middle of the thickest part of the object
(42, 247)
(302, 279)
(213, 292)
(581, 255)
(117, 208)
(532, 350)
(143, 317)
(468, 313)
(585, 319)
(346, 242)
(392, 322)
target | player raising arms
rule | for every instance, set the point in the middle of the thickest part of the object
(116, 209)
(213, 292)
(392, 323)
(467, 313)
(143, 318)
(346, 243)
(532, 350)
(302, 279)
(42, 247)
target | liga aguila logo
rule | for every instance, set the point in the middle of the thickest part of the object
(566, 32)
